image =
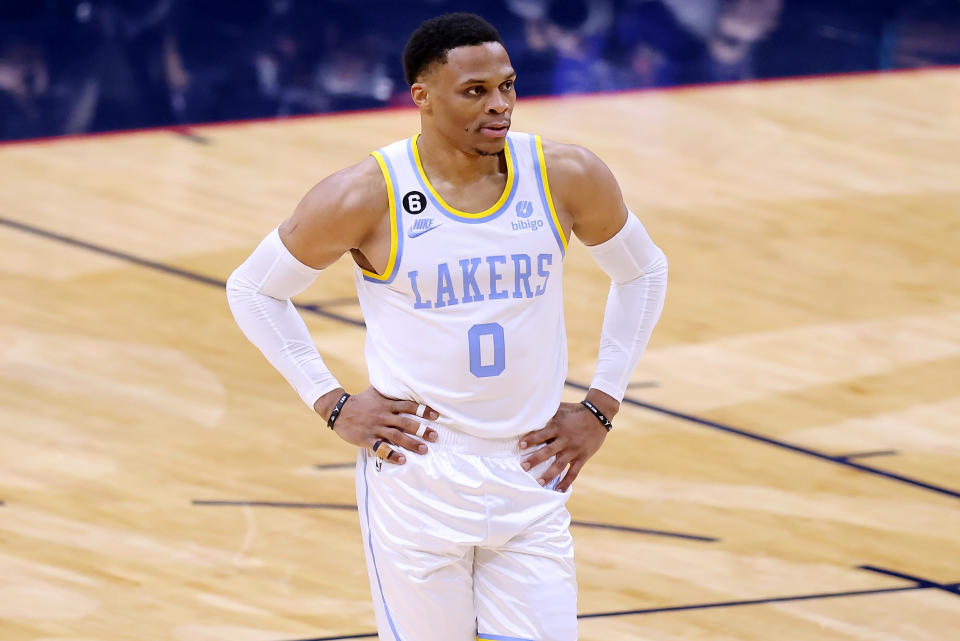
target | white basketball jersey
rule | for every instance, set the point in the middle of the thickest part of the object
(468, 314)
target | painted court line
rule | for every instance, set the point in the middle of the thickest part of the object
(637, 530)
(316, 309)
(151, 264)
(334, 302)
(917, 584)
(847, 457)
(366, 635)
(334, 466)
(838, 460)
(951, 588)
(733, 604)
(697, 606)
(284, 504)
(643, 385)
(344, 506)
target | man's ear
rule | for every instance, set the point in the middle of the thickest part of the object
(420, 95)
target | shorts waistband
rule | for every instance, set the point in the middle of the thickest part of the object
(453, 440)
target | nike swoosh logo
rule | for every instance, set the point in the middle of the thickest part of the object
(413, 233)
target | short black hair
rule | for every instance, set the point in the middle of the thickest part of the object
(436, 36)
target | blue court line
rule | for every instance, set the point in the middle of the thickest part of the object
(334, 466)
(839, 460)
(698, 606)
(316, 309)
(344, 506)
(643, 384)
(161, 267)
(365, 635)
(847, 457)
(638, 530)
(332, 302)
(309, 506)
(732, 604)
(952, 588)
(918, 584)
(655, 408)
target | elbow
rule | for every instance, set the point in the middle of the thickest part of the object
(656, 269)
(238, 288)
(660, 266)
(233, 286)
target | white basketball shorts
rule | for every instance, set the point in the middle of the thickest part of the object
(462, 543)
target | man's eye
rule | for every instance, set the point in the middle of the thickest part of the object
(475, 91)
(508, 85)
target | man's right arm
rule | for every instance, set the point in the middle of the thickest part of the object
(346, 211)
(333, 217)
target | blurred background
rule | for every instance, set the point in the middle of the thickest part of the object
(75, 66)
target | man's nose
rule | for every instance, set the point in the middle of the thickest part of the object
(497, 104)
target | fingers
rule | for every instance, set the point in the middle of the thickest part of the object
(537, 437)
(417, 409)
(384, 445)
(402, 439)
(540, 456)
(570, 477)
(383, 451)
(552, 472)
(411, 425)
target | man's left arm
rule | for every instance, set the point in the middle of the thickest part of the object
(588, 197)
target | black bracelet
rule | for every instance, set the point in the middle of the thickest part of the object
(600, 417)
(336, 410)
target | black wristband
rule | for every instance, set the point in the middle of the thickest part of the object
(336, 410)
(600, 417)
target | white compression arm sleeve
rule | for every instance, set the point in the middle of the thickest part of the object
(259, 293)
(638, 269)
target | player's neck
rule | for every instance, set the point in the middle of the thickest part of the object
(445, 162)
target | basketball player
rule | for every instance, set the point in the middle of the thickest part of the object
(466, 452)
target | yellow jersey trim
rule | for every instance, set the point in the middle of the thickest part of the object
(507, 189)
(546, 189)
(394, 234)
